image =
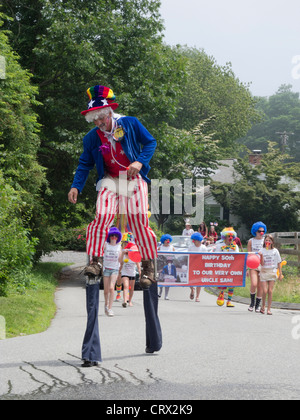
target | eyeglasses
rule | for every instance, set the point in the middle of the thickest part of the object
(261, 231)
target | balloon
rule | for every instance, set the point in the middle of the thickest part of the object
(134, 254)
(133, 248)
(253, 261)
(282, 264)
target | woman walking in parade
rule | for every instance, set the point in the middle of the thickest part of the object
(255, 244)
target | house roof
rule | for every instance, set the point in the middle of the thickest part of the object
(225, 172)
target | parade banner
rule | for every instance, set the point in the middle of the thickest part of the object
(202, 269)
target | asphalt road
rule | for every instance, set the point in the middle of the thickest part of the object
(208, 352)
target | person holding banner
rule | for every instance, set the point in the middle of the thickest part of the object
(166, 246)
(255, 244)
(227, 245)
(196, 246)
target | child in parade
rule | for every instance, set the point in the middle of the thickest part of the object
(203, 229)
(112, 250)
(188, 231)
(212, 234)
(227, 245)
(127, 274)
(255, 244)
(165, 246)
(196, 246)
(270, 264)
(127, 237)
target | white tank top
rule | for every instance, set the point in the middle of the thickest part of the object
(256, 244)
(111, 256)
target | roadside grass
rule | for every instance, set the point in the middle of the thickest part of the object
(32, 311)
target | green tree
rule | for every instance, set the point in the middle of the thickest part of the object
(280, 113)
(19, 138)
(17, 244)
(262, 192)
(213, 91)
(184, 155)
(71, 45)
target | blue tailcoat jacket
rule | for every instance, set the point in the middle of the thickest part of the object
(137, 143)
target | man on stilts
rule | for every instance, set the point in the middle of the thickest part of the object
(121, 148)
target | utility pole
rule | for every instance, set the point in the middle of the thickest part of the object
(284, 139)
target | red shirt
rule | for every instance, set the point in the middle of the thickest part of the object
(213, 235)
(115, 161)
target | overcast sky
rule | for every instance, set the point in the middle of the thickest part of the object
(261, 38)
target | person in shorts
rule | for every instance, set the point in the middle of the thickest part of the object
(112, 251)
(255, 244)
(270, 265)
(128, 272)
(196, 246)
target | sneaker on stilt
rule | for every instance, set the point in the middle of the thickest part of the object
(148, 274)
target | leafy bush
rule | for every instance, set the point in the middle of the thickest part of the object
(72, 239)
(17, 249)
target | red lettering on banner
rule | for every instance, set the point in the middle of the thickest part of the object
(219, 272)
(201, 269)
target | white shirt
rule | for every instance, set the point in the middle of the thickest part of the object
(271, 258)
(256, 244)
(168, 248)
(201, 248)
(111, 256)
(169, 268)
(187, 232)
(128, 268)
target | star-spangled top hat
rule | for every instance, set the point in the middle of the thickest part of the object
(100, 97)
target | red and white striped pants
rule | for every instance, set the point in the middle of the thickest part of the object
(108, 204)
